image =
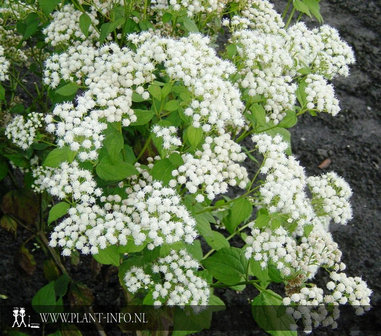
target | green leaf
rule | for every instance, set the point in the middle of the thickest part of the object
(30, 25)
(227, 265)
(109, 170)
(172, 105)
(46, 296)
(301, 93)
(137, 98)
(260, 273)
(3, 168)
(84, 24)
(113, 141)
(155, 91)
(289, 120)
(130, 247)
(59, 155)
(48, 6)
(307, 229)
(239, 212)
(274, 274)
(259, 115)
(262, 219)
(61, 284)
(68, 89)
(301, 7)
(195, 250)
(214, 239)
(162, 170)
(193, 135)
(143, 117)
(190, 25)
(108, 256)
(2, 92)
(270, 314)
(166, 17)
(314, 7)
(231, 50)
(57, 211)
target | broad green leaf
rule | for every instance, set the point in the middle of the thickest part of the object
(314, 7)
(109, 170)
(68, 89)
(59, 155)
(239, 212)
(274, 274)
(270, 314)
(289, 120)
(31, 25)
(301, 7)
(231, 50)
(130, 155)
(172, 105)
(193, 135)
(167, 17)
(259, 115)
(57, 211)
(46, 296)
(61, 285)
(227, 265)
(143, 117)
(155, 91)
(214, 239)
(84, 24)
(113, 141)
(162, 170)
(190, 25)
(130, 247)
(260, 273)
(195, 250)
(48, 6)
(108, 256)
(2, 92)
(262, 219)
(301, 93)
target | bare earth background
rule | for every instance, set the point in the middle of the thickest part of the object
(352, 141)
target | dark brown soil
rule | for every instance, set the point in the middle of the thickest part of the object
(352, 141)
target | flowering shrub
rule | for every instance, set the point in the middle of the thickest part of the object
(143, 128)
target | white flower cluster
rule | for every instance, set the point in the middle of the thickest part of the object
(193, 7)
(22, 130)
(310, 306)
(158, 215)
(4, 65)
(190, 60)
(179, 284)
(212, 169)
(267, 70)
(332, 193)
(275, 247)
(284, 188)
(81, 132)
(64, 28)
(67, 180)
(289, 257)
(320, 95)
(316, 308)
(352, 290)
(102, 6)
(258, 15)
(71, 66)
(168, 135)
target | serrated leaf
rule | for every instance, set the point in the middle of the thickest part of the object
(108, 256)
(143, 117)
(240, 210)
(109, 170)
(231, 50)
(193, 135)
(227, 265)
(270, 314)
(162, 170)
(68, 89)
(48, 6)
(155, 91)
(190, 25)
(84, 24)
(57, 211)
(45, 296)
(172, 105)
(289, 120)
(301, 7)
(59, 155)
(61, 285)
(113, 141)
(314, 7)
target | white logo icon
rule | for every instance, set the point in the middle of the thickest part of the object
(19, 319)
